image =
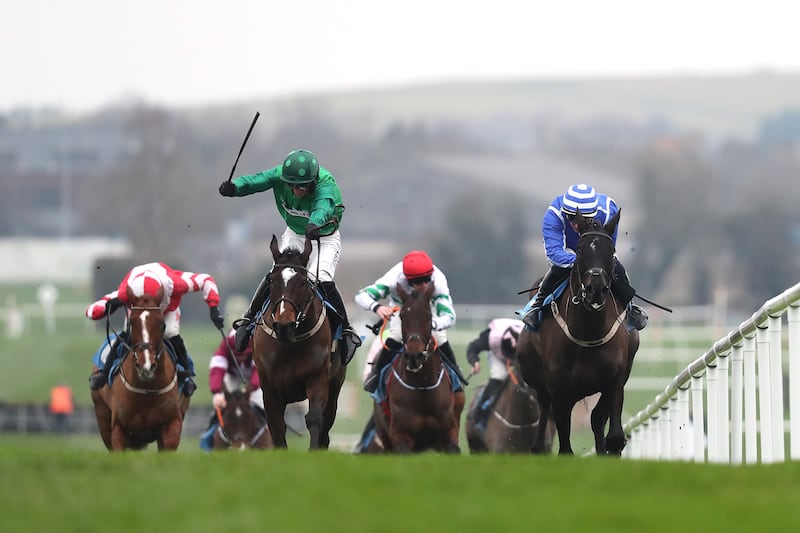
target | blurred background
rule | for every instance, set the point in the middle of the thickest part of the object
(449, 128)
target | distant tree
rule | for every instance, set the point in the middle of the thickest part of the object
(765, 251)
(677, 211)
(480, 247)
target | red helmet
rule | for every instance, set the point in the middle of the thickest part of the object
(417, 264)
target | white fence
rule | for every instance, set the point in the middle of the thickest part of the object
(737, 397)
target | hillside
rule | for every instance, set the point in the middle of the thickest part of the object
(715, 106)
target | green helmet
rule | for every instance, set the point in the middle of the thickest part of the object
(299, 167)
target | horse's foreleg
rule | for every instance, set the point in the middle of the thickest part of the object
(119, 439)
(170, 438)
(275, 409)
(545, 412)
(599, 418)
(615, 441)
(562, 412)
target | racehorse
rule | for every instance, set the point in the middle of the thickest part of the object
(421, 411)
(511, 426)
(143, 404)
(292, 350)
(584, 347)
(240, 427)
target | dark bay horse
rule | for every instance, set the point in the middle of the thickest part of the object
(143, 404)
(421, 411)
(583, 348)
(512, 424)
(292, 350)
(240, 427)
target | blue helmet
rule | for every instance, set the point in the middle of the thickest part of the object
(580, 197)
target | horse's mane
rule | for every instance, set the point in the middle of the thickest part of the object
(291, 252)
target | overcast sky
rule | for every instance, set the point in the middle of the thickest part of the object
(82, 54)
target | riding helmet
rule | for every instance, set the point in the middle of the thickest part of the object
(580, 197)
(299, 167)
(417, 264)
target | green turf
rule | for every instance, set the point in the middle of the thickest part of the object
(49, 488)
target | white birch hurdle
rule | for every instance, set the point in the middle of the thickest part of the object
(736, 394)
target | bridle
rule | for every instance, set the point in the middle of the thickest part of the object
(142, 346)
(301, 310)
(585, 279)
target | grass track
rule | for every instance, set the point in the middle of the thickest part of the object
(47, 487)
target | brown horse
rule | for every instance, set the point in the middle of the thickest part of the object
(143, 404)
(421, 411)
(292, 350)
(512, 424)
(583, 348)
(240, 427)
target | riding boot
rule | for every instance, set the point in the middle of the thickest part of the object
(349, 336)
(554, 276)
(621, 285)
(391, 347)
(243, 333)
(622, 290)
(185, 375)
(486, 402)
(447, 351)
(100, 377)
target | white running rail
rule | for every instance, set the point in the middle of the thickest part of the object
(736, 393)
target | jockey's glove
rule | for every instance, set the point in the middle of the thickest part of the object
(112, 305)
(312, 232)
(218, 400)
(216, 317)
(227, 188)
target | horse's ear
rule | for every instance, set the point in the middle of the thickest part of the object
(429, 290)
(611, 226)
(583, 222)
(401, 292)
(273, 246)
(306, 251)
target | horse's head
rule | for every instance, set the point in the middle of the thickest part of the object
(416, 325)
(291, 293)
(146, 323)
(240, 425)
(594, 262)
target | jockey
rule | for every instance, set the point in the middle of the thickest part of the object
(224, 377)
(500, 341)
(560, 235)
(148, 278)
(309, 200)
(416, 271)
